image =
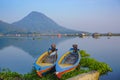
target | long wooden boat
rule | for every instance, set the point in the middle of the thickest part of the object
(45, 62)
(68, 62)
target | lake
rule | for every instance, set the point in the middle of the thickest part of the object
(19, 54)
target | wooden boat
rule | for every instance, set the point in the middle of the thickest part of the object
(68, 62)
(45, 62)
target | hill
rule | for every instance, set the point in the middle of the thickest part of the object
(9, 28)
(38, 22)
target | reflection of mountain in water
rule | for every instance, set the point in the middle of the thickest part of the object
(16, 59)
(33, 47)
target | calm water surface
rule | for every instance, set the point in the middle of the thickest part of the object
(19, 54)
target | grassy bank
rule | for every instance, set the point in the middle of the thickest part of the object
(86, 64)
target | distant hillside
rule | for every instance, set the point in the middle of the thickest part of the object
(9, 28)
(38, 22)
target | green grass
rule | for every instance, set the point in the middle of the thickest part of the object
(86, 64)
(93, 64)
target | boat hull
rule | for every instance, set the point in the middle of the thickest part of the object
(42, 65)
(59, 74)
(62, 68)
(41, 72)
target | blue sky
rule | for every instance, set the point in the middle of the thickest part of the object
(84, 15)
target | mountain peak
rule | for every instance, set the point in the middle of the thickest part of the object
(35, 16)
(35, 13)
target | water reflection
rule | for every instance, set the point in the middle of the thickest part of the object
(15, 59)
(33, 47)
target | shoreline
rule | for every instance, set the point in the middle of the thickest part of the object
(60, 35)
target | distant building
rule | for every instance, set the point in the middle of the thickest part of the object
(96, 35)
(109, 34)
(82, 35)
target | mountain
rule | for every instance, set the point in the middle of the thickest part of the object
(38, 22)
(9, 28)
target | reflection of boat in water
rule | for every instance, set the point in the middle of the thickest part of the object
(68, 62)
(45, 62)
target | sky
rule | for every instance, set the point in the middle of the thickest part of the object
(84, 15)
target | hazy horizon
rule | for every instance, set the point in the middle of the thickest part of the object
(83, 15)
